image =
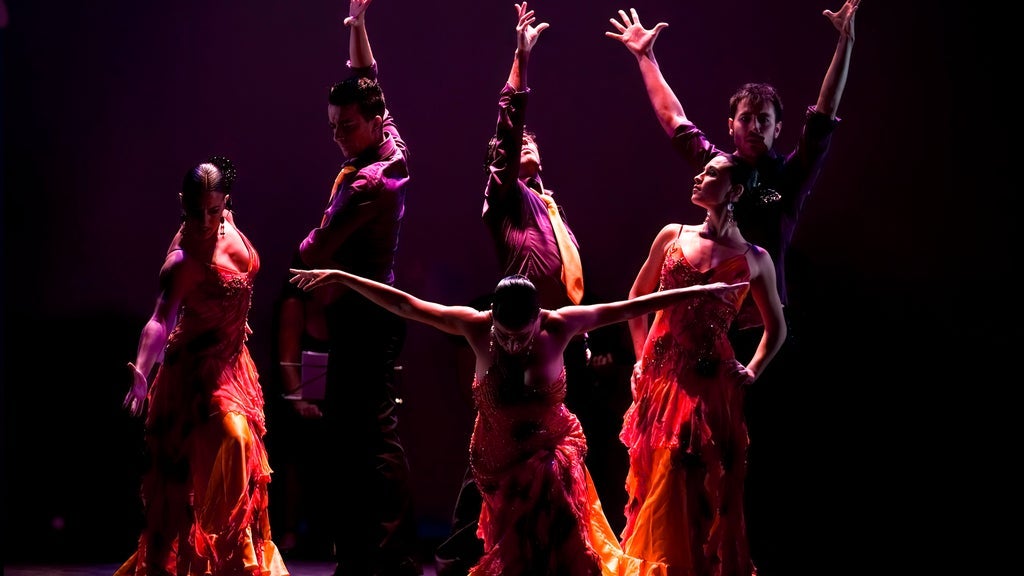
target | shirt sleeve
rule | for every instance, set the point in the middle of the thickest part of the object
(364, 198)
(693, 146)
(502, 190)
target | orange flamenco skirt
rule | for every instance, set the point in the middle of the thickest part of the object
(227, 532)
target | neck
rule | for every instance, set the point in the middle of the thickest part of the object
(718, 225)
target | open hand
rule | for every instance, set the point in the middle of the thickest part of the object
(633, 35)
(135, 399)
(726, 292)
(310, 280)
(356, 10)
(526, 32)
(843, 19)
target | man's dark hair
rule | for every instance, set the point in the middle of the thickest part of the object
(757, 93)
(492, 147)
(361, 91)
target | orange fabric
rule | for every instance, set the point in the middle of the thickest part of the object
(334, 189)
(614, 560)
(686, 434)
(572, 268)
(205, 489)
(540, 513)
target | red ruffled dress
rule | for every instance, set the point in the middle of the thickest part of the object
(540, 514)
(686, 434)
(205, 489)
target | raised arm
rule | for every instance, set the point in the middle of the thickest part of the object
(451, 319)
(640, 42)
(526, 39)
(359, 52)
(502, 193)
(835, 78)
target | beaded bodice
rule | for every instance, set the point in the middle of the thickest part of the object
(694, 333)
(212, 319)
(515, 420)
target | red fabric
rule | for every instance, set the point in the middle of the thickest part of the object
(685, 432)
(205, 491)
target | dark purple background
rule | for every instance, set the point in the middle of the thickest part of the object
(105, 105)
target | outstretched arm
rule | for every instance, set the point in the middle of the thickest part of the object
(581, 319)
(640, 42)
(526, 38)
(359, 53)
(450, 319)
(835, 79)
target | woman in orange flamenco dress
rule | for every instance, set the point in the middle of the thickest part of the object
(540, 514)
(685, 431)
(204, 491)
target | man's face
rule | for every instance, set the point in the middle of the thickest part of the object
(754, 129)
(353, 133)
(529, 158)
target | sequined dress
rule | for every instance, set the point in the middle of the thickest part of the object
(541, 514)
(685, 432)
(205, 489)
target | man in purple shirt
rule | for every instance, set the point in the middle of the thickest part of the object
(372, 518)
(517, 216)
(767, 216)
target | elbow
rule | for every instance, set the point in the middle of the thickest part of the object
(310, 254)
(780, 336)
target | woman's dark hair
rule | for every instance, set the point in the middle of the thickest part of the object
(217, 174)
(741, 172)
(515, 303)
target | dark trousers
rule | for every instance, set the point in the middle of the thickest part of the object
(373, 521)
(774, 486)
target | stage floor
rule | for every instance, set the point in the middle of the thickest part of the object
(295, 567)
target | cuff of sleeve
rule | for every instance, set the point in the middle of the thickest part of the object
(365, 71)
(815, 117)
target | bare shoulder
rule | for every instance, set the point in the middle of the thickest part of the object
(179, 270)
(552, 320)
(668, 233)
(174, 261)
(477, 329)
(760, 260)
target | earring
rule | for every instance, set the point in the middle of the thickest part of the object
(221, 226)
(729, 217)
(491, 347)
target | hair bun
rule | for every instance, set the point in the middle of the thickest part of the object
(227, 171)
